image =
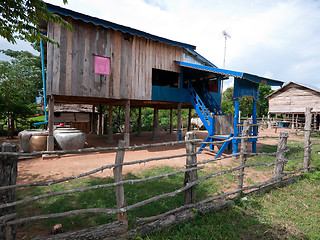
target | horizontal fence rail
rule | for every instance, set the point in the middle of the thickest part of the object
(9, 220)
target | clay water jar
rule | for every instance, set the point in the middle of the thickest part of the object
(68, 139)
(38, 142)
(24, 137)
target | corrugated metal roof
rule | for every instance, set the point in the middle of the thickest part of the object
(230, 73)
(114, 26)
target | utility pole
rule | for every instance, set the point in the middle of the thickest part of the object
(226, 36)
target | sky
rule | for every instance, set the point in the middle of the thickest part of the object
(278, 39)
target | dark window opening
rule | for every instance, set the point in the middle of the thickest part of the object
(165, 78)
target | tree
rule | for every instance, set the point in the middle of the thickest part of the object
(227, 102)
(245, 106)
(263, 104)
(20, 19)
(20, 84)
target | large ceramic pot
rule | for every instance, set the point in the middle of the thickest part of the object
(25, 136)
(38, 142)
(69, 139)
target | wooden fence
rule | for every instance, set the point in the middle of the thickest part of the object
(9, 219)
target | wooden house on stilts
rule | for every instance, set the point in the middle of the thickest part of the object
(103, 63)
(290, 102)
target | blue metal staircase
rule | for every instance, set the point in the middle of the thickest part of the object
(208, 119)
(210, 102)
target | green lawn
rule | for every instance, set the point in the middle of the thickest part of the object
(291, 212)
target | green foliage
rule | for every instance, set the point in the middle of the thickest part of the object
(19, 19)
(263, 104)
(245, 106)
(20, 84)
(227, 102)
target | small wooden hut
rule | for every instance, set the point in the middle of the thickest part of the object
(290, 102)
(80, 116)
(103, 63)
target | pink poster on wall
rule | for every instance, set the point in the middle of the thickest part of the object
(101, 65)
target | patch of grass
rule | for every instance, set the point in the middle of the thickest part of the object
(287, 213)
(295, 206)
(37, 119)
(291, 212)
(105, 198)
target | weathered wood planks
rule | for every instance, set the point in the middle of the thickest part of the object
(70, 67)
(294, 100)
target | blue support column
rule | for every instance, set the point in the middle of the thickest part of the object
(255, 128)
(235, 123)
(212, 132)
(179, 138)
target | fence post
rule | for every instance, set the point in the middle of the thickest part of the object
(307, 141)
(8, 176)
(190, 194)
(282, 145)
(244, 147)
(117, 172)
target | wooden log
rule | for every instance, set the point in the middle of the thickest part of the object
(179, 123)
(191, 161)
(127, 123)
(108, 231)
(243, 149)
(307, 141)
(174, 219)
(189, 120)
(117, 172)
(155, 123)
(100, 121)
(281, 154)
(139, 134)
(110, 127)
(8, 176)
(92, 120)
(51, 115)
(66, 192)
(171, 120)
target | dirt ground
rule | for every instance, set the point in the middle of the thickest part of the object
(36, 169)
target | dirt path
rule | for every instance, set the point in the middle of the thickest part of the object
(67, 165)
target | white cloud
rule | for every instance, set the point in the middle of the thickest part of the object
(275, 38)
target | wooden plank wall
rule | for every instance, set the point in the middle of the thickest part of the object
(70, 68)
(295, 99)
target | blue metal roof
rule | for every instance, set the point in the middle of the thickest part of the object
(114, 26)
(230, 73)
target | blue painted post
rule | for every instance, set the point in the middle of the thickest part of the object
(254, 121)
(235, 123)
(179, 138)
(212, 132)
